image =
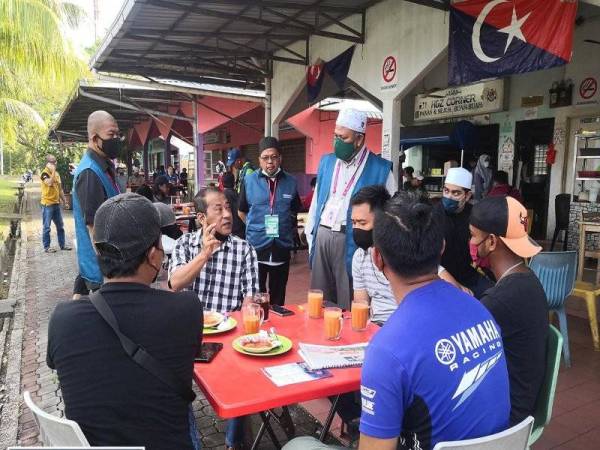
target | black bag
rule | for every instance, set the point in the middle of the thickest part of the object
(139, 355)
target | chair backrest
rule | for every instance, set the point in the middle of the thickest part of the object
(55, 431)
(562, 206)
(557, 272)
(545, 400)
(515, 438)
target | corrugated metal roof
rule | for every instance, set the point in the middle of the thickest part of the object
(224, 42)
(88, 95)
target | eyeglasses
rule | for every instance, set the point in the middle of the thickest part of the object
(270, 158)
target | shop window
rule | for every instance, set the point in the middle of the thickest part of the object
(540, 167)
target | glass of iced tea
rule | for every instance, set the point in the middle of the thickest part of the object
(333, 323)
(315, 303)
(360, 316)
(252, 316)
(264, 300)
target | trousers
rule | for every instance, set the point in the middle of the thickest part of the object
(52, 213)
(277, 282)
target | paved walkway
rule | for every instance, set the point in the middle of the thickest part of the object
(39, 281)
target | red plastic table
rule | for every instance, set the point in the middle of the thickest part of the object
(235, 385)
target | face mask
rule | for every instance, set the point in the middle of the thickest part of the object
(111, 147)
(155, 268)
(266, 174)
(479, 261)
(343, 150)
(363, 238)
(450, 205)
(486, 164)
(220, 237)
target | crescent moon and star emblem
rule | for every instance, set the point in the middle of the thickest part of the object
(513, 30)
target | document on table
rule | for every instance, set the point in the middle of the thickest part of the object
(293, 373)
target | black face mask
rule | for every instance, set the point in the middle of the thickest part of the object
(111, 147)
(154, 267)
(221, 237)
(363, 238)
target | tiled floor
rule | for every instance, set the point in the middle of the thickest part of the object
(575, 423)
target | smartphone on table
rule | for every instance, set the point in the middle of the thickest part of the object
(207, 352)
(281, 311)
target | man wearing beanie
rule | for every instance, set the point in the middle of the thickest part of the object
(329, 226)
(269, 201)
(107, 380)
(517, 301)
(456, 258)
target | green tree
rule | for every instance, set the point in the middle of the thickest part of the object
(35, 57)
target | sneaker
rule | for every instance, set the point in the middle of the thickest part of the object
(66, 247)
(50, 250)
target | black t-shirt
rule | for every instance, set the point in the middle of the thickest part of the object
(115, 401)
(456, 258)
(518, 303)
(89, 188)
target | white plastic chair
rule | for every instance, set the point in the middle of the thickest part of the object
(515, 438)
(55, 431)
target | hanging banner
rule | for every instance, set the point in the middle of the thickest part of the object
(460, 101)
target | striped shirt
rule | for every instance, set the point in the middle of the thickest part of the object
(228, 276)
(367, 277)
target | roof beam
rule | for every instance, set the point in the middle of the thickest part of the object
(284, 5)
(219, 35)
(129, 106)
(444, 6)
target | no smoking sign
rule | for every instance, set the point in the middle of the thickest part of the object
(588, 88)
(388, 71)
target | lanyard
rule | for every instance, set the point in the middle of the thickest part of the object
(272, 194)
(337, 172)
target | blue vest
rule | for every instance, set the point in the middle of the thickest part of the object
(86, 256)
(257, 195)
(376, 171)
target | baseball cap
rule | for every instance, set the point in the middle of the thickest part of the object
(459, 177)
(232, 155)
(506, 218)
(126, 226)
(268, 142)
(166, 216)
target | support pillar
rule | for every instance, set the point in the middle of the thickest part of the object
(199, 179)
(145, 162)
(390, 140)
(268, 107)
(167, 155)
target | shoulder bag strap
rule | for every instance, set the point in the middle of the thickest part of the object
(139, 355)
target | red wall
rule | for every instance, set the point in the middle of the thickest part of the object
(318, 127)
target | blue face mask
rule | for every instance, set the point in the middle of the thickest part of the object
(450, 205)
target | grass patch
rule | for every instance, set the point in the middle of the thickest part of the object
(7, 202)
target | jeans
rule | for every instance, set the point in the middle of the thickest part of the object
(194, 431)
(234, 432)
(51, 213)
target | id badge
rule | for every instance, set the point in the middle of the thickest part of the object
(272, 226)
(332, 213)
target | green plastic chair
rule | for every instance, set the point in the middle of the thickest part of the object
(545, 400)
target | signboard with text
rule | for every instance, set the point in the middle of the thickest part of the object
(460, 101)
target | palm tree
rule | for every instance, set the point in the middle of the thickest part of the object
(35, 57)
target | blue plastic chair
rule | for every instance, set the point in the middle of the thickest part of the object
(557, 272)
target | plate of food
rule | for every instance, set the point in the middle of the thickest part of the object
(212, 319)
(226, 325)
(262, 344)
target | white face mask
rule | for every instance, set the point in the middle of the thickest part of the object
(271, 176)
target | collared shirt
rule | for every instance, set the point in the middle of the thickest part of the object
(89, 188)
(228, 276)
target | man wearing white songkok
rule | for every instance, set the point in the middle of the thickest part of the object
(329, 226)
